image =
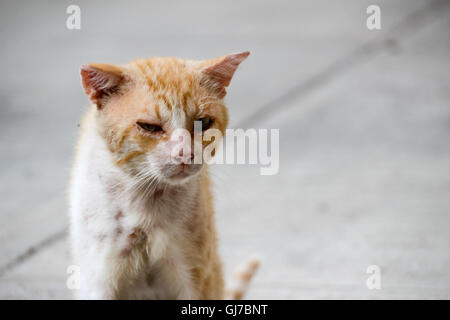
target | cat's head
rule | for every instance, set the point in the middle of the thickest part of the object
(141, 106)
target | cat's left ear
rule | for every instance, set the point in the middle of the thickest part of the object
(100, 80)
(219, 75)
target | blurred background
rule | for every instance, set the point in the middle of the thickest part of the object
(364, 120)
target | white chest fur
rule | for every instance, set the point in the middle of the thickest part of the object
(126, 248)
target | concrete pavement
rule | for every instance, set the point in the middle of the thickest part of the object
(364, 138)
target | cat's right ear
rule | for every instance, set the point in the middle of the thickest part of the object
(100, 80)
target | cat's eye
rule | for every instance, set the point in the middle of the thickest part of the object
(206, 123)
(152, 128)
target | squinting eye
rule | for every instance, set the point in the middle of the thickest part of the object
(153, 128)
(206, 123)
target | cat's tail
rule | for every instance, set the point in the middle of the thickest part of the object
(241, 279)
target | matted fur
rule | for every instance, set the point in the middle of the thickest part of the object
(139, 229)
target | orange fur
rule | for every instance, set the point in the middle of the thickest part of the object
(157, 91)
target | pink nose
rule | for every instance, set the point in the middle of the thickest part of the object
(184, 157)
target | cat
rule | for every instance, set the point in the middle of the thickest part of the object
(141, 216)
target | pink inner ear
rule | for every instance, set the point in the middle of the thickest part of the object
(98, 80)
(222, 72)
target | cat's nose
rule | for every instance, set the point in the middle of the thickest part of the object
(185, 157)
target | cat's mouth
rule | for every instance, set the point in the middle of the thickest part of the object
(182, 171)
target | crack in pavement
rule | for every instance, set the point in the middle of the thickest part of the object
(407, 26)
(33, 250)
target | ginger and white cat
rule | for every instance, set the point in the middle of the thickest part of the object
(142, 222)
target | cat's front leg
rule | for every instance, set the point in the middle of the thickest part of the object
(99, 276)
(97, 280)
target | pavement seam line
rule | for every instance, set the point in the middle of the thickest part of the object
(33, 250)
(408, 25)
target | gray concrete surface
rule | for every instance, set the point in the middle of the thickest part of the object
(364, 123)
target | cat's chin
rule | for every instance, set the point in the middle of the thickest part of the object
(182, 176)
(179, 179)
